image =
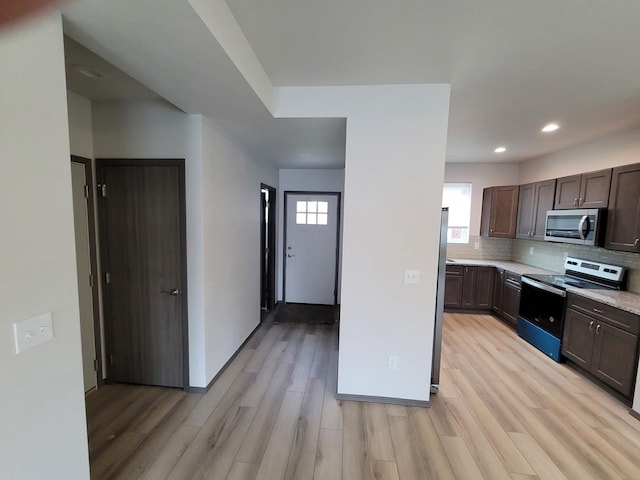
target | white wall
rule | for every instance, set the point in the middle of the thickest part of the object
(481, 175)
(232, 202)
(42, 400)
(223, 219)
(621, 148)
(396, 142)
(305, 180)
(80, 125)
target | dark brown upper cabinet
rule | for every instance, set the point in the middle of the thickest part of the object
(499, 210)
(533, 202)
(623, 219)
(588, 190)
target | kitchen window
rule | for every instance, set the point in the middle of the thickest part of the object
(457, 196)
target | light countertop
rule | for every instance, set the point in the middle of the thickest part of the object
(627, 301)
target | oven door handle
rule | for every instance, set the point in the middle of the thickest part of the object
(545, 287)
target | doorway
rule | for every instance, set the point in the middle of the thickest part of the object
(87, 267)
(312, 231)
(267, 246)
(143, 238)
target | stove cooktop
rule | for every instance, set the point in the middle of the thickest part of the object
(564, 281)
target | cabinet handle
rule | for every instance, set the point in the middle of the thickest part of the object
(591, 326)
(598, 311)
(575, 202)
(580, 201)
(635, 244)
(598, 329)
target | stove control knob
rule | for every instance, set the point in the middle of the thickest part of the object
(551, 319)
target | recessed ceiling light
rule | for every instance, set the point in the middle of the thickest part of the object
(500, 150)
(551, 127)
(87, 71)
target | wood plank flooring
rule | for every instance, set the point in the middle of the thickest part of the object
(504, 411)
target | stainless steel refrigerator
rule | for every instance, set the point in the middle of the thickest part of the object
(437, 333)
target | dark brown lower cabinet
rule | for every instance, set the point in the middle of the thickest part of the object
(596, 345)
(511, 298)
(454, 279)
(498, 286)
(468, 287)
(484, 287)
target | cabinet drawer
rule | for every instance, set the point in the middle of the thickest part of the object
(512, 279)
(454, 270)
(611, 315)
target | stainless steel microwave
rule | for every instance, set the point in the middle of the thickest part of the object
(583, 226)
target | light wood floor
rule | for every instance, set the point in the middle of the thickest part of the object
(504, 411)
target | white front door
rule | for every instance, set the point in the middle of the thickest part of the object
(311, 249)
(83, 259)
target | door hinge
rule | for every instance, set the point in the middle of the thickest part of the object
(95, 365)
(86, 191)
(111, 359)
(90, 281)
(107, 277)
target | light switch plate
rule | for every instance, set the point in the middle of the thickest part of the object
(33, 332)
(412, 277)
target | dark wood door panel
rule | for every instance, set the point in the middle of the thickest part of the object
(614, 357)
(567, 192)
(594, 189)
(623, 222)
(578, 337)
(143, 257)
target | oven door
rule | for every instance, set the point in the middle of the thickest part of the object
(543, 306)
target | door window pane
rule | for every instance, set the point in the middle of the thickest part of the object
(312, 213)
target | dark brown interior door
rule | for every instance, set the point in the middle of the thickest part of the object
(141, 221)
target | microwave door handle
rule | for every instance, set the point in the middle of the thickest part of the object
(581, 229)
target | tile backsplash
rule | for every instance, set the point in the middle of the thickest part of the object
(551, 257)
(488, 248)
(547, 255)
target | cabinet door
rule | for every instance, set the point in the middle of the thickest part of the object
(469, 287)
(504, 208)
(614, 357)
(578, 337)
(526, 210)
(484, 287)
(623, 219)
(567, 192)
(498, 280)
(510, 303)
(453, 287)
(545, 194)
(594, 189)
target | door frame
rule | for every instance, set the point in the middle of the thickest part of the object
(270, 244)
(93, 261)
(284, 241)
(159, 162)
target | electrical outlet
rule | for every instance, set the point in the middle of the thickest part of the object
(412, 277)
(392, 362)
(530, 250)
(476, 245)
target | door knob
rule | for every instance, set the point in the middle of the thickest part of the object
(290, 255)
(175, 292)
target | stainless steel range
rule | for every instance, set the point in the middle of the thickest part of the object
(543, 298)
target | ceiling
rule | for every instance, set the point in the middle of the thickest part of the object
(513, 66)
